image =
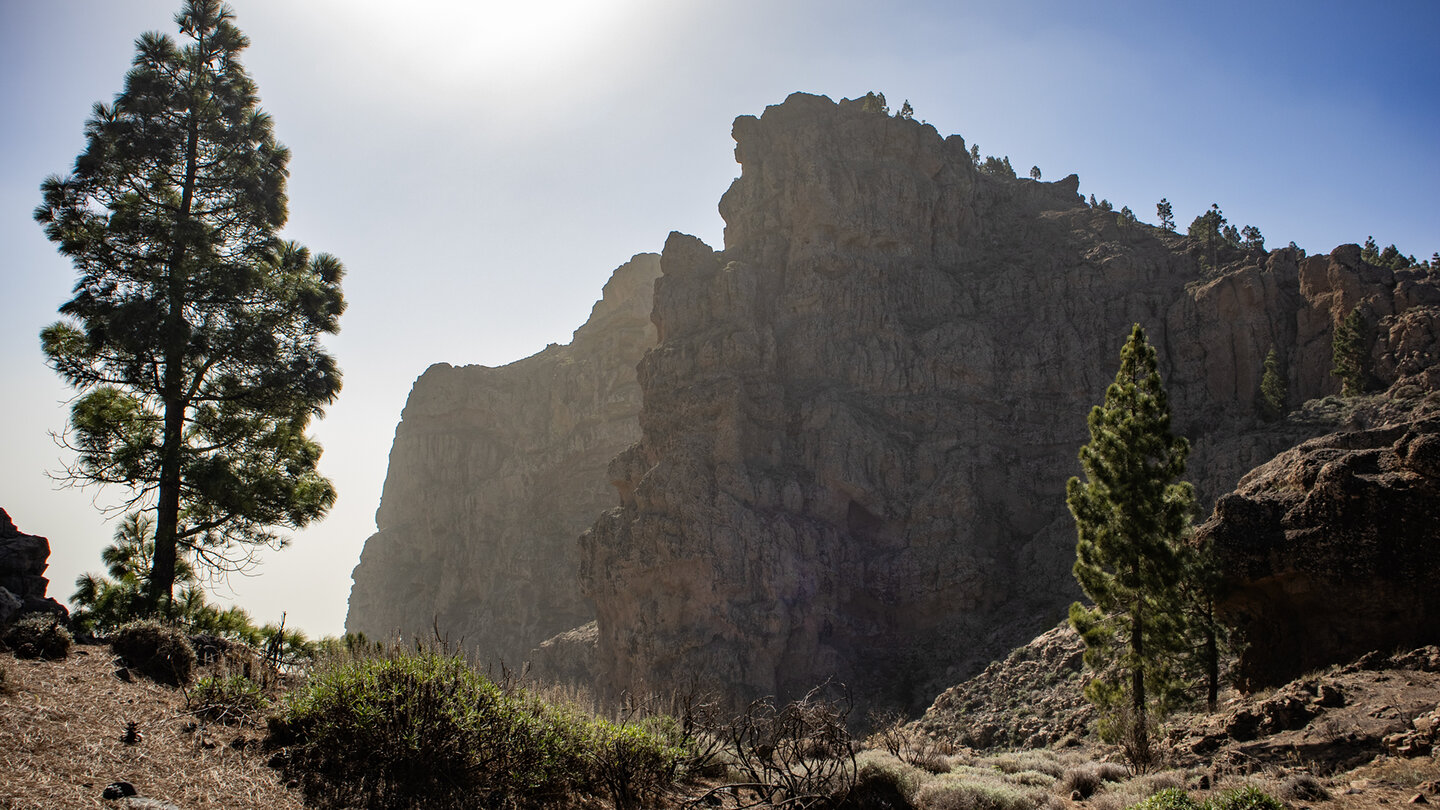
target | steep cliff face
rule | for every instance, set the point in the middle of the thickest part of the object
(860, 416)
(493, 474)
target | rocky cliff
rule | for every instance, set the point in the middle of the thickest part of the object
(493, 474)
(860, 415)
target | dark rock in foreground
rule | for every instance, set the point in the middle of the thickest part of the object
(23, 560)
(1332, 550)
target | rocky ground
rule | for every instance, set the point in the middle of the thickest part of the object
(63, 730)
(1366, 731)
(1351, 737)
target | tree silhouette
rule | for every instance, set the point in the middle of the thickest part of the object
(193, 333)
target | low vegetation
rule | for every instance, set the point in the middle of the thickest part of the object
(426, 729)
(158, 651)
(39, 635)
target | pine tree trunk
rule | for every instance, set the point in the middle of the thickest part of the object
(177, 338)
(1212, 660)
(1140, 729)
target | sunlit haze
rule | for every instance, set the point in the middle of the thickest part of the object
(481, 167)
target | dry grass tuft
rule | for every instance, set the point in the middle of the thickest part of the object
(61, 742)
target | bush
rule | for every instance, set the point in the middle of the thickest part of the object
(1168, 799)
(1246, 798)
(422, 729)
(632, 764)
(883, 785)
(232, 700)
(1085, 779)
(947, 794)
(1303, 787)
(156, 650)
(39, 635)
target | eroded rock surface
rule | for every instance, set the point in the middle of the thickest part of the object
(493, 474)
(860, 416)
(23, 560)
(1332, 549)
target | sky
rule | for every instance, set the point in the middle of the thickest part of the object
(481, 168)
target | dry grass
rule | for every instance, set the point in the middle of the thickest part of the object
(61, 727)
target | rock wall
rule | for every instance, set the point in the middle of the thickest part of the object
(860, 416)
(493, 474)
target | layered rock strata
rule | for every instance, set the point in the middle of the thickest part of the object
(493, 474)
(860, 416)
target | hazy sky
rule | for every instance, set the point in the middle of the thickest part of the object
(481, 167)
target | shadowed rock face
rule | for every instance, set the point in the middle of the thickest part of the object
(1332, 550)
(23, 560)
(860, 416)
(493, 474)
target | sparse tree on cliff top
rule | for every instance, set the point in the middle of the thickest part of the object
(1252, 239)
(1035, 173)
(1208, 232)
(193, 333)
(1132, 512)
(1166, 214)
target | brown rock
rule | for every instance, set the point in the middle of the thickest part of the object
(493, 474)
(1332, 549)
(860, 415)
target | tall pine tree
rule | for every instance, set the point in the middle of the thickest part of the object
(1132, 512)
(193, 333)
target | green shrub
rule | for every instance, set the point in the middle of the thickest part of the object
(631, 763)
(1167, 799)
(232, 700)
(421, 729)
(156, 650)
(1245, 798)
(883, 785)
(39, 635)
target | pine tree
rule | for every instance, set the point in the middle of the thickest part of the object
(1350, 354)
(193, 333)
(1166, 214)
(1132, 512)
(1035, 173)
(1209, 232)
(1272, 388)
(1253, 240)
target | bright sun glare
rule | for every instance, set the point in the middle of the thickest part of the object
(511, 40)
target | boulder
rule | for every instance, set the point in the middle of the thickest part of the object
(23, 560)
(1332, 550)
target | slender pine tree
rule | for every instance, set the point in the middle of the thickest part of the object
(1132, 512)
(1273, 390)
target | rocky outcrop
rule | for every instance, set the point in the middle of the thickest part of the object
(1033, 698)
(1332, 549)
(493, 474)
(860, 416)
(23, 560)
